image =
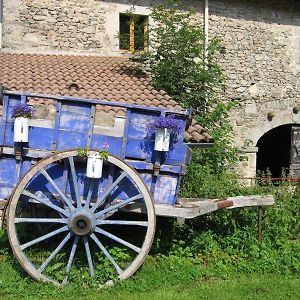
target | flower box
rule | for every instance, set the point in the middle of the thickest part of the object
(21, 127)
(94, 166)
(22, 112)
(162, 139)
(166, 131)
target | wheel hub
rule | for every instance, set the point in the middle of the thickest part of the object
(82, 222)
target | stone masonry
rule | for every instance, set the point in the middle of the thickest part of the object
(260, 46)
(260, 50)
(46, 24)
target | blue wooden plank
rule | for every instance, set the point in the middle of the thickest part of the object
(176, 155)
(8, 171)
(144, 149)
(138, 124)
(140, 149)
(103, 142)
(40, 138)
(5, 192)
(56, 126)
(3, 119)
(77, 107)
(102, 102)
(91, 125)
(69, 139)
(9, 135)
(125, 136)
(165, 187)
(74, 122)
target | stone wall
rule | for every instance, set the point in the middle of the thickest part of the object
(42, 24)
(68, 25)
(260, 56)
(261, 64)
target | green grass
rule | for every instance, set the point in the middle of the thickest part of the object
(213, 257)
(160, 278)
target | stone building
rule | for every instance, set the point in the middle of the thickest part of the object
(260, 56)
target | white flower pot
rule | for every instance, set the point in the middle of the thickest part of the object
(94, 166)
(21, 127)
(162, 139)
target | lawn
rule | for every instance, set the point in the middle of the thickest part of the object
(153, 281)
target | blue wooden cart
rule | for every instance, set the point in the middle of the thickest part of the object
(77, 219)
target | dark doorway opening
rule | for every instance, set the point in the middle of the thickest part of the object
(274, 149)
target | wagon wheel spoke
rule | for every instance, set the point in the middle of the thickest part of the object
(122, 222)
(54, 253)
(72, 253)
(57, 189)
(108, 191)
(44, 237)
(90, 192)
(88, 256)
(117, 239)
(40, 220)
(74, 179)
(71, 258)
(105, 252)
(118, 205)
(45, 202)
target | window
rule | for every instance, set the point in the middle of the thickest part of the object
(133, 32)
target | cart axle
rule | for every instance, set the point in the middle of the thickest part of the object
(82, 222)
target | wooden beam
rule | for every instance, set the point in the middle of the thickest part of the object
(188, 208)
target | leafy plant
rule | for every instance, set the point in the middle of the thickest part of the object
(104, 154)
(22, 110)
(83, 152)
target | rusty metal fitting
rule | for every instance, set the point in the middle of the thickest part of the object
(18, 153)
(156, 169)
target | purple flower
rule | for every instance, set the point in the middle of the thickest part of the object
(21, 110)
(169, 122)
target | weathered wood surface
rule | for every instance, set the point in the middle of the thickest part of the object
(188, 208)
(2, 212)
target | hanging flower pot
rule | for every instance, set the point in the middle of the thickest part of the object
(166, 131)
(22, 112)
(162, 139)
(94, 166)
(21, 126)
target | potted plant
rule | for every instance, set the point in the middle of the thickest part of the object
(94, 162)
(21, 112)
(166, 130)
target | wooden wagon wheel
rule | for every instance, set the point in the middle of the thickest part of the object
(49, 208)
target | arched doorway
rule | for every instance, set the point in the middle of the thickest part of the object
(277, 150)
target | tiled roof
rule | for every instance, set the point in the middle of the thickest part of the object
(105, 78)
